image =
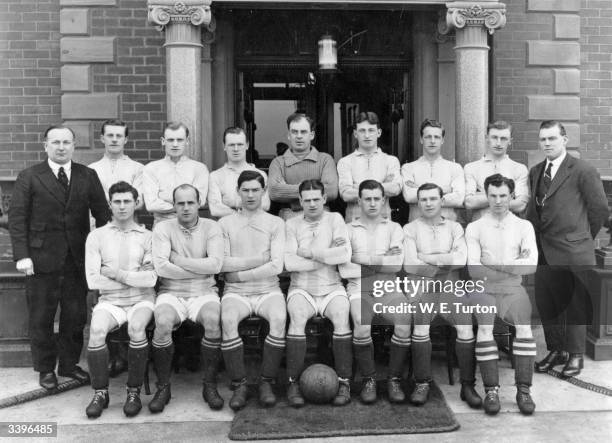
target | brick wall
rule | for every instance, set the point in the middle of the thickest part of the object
(596, 83)
(29, 80)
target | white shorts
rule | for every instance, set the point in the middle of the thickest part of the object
(122, 314)
(253, 302)
(187, 307)
(318, 302)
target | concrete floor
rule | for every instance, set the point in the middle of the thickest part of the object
(574, 413)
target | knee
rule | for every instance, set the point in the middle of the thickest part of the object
(523, 331)
(362, 331)
(97, 335)
(464, 332)
(163, 324)
(229, 321)
(403, 331)
(211, 320)
(136, 330)
(485, 332)
(277, 320)
(420, 330)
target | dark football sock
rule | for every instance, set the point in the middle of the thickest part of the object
(273, 350)
(421, 358)
(343, 354)
(524, 352)
(97, 360)
(210, 350)
(296, 353)
(233, 356)
(138, 354)
(162, 358)
(487, 357)
(465, 350)
(397, 355)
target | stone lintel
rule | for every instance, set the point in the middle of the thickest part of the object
(87, 49)
(90, 106)
(553, 107)
(553, 53)
(567, 26)
(75, 21)
(567, 81)
(553, 5)
(76, 78)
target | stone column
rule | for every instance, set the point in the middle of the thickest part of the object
(182, 21)
(471, 22)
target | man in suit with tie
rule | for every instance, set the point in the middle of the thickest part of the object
(567, 209)
(48, 223)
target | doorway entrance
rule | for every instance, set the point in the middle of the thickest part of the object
(277, 74)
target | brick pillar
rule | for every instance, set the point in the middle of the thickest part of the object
(471, 22)
(182, 23)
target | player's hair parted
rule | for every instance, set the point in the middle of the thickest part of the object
(115, 122)
(246, 176)
(121, 187)
(498, 180)
(371, 185)
(499, 124)
(546, 124)
(369, 117)
(184, 187)
(174, 126)
(233, 130)
(429, 187)
(431, 123)
(311, 185)
(297, 116)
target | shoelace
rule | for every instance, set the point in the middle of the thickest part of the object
(99, 397)
(132, 396)
(422, 387)
(492, 394)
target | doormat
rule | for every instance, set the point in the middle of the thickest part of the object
(283, 422)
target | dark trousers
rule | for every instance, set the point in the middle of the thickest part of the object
(45, 291)
(564, 306)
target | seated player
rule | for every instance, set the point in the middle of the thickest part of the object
(316, 243)
(118, 264)
(435, 250)
(254, 246)
(187, 252)
(377, 247)
(501, 249)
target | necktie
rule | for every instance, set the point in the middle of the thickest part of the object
(544, 186)
(547, 179)
(63, 178)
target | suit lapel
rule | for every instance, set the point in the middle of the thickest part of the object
(51, 183)
(565, 169)
(76, 182)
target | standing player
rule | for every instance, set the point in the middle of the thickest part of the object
(300, 162)
(501, 249)
(223, 199)
(161, 177)
(495, 161)
(118, 263)
(316, 243)
(115, 166)
(435, 250)
(377, 248)
(254, 246)
(187, 252)
(432, 168)
(367, 162)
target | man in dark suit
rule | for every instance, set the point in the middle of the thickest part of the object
(567, 209)
(48, 223)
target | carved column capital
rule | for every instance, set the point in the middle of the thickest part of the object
(165, 12)
(462, 13)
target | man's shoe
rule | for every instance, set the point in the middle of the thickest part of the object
(524, 401)
(48, 380)
(553, 359)
(343, 397)
(294, 396)
(98, 403)
(470, 396)
(211, 396)
(266, 396)
(573, 365)
(491, 401)
(394, 390)
(160, 399)
(239, 398)
(76, 373)
(132, 405)
(368, 391)
(420, 394)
